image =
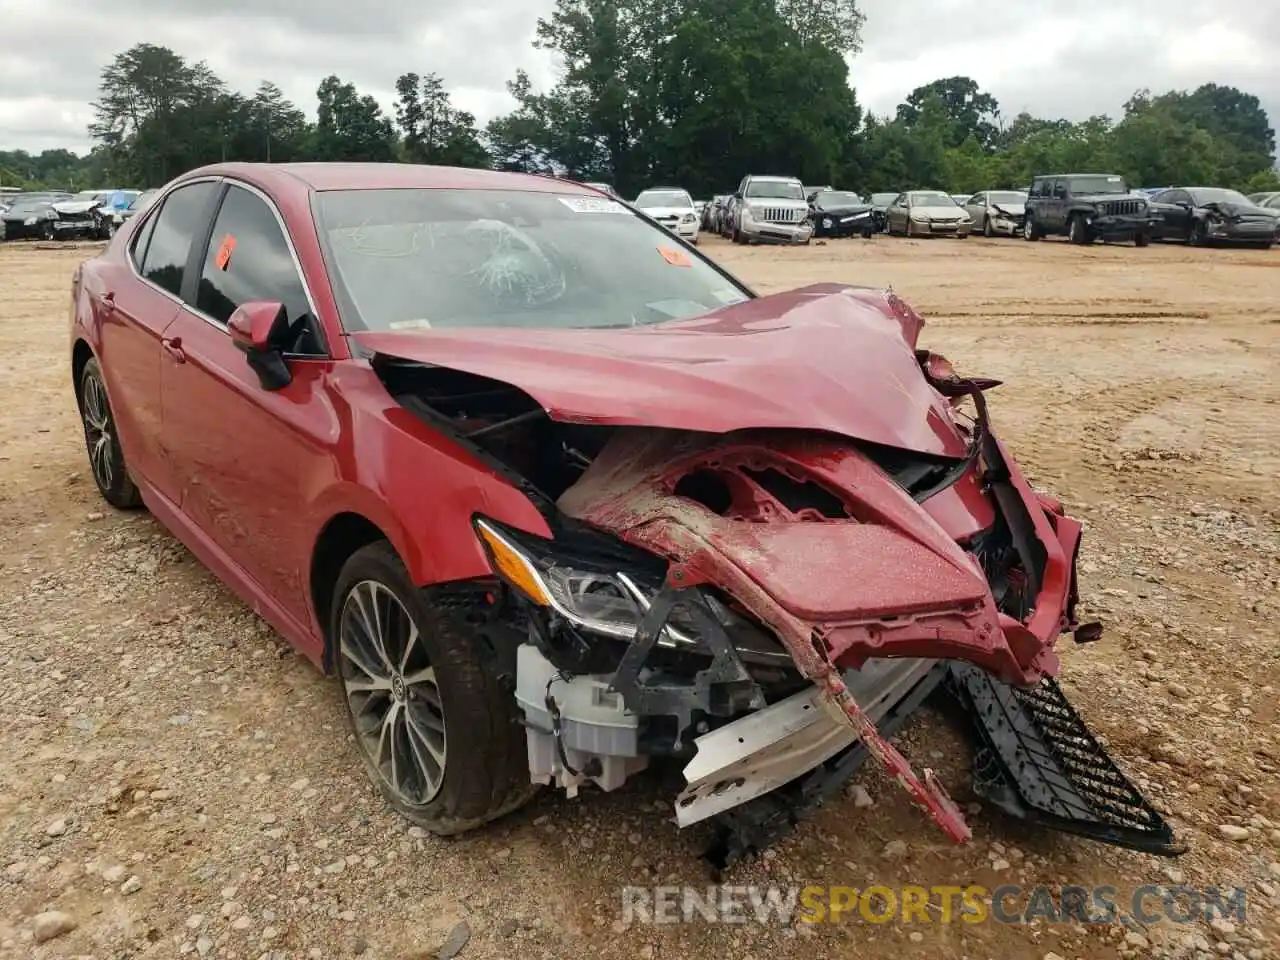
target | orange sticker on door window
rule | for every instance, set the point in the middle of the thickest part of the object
(225, 249)
(677, 258)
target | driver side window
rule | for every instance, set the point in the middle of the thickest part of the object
(249, 259)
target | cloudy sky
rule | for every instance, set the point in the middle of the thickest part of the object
(1046, 56)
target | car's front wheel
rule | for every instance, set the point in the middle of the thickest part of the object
(102, 442)
(1078, 230)
(988, 229)
(1030, 229)
(438, 731)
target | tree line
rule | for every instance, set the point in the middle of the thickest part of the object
(689, 92)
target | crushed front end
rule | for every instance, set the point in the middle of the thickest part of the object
(766, 606)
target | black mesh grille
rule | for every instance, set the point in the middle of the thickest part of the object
(1039, 761)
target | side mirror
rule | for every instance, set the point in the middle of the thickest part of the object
(258, 328)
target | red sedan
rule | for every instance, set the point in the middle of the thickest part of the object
(555, 496)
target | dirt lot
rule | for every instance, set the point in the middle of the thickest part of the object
(154, 728)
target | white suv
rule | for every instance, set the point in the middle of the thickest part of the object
(671, 207)
(771, 209)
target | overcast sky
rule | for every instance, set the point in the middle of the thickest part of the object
(1051, 58)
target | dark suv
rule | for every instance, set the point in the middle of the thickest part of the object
(1085, 207)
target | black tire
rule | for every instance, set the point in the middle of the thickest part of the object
(102, 442)
(1142, 240)
(906, 229)
(46, 231)
(987, 229)
(1030, 229)
(485, 770)
(1078, 230)
(1198, 235)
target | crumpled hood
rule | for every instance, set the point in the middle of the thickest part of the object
(828, 357)
(77, 206)
(1250, 210)
(1012, 209)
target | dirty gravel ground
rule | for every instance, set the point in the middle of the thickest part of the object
(154, 728)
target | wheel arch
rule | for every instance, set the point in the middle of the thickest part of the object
(81, 354)
(342, 535)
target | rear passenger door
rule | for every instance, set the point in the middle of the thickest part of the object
(249, 459)
(136, 314)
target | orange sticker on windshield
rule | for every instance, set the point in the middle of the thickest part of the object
(225, 249)
(677, 258)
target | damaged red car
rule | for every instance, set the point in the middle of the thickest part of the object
(557, 498)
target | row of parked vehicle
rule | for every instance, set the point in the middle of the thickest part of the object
(1081, 207)
(56, 215)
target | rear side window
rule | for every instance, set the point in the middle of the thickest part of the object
(248, 259)
(138, 252)
(179, 221)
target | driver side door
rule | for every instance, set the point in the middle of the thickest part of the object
(248, 460)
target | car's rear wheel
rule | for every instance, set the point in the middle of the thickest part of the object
(439, 734)
(106, 458)
(1142, 240)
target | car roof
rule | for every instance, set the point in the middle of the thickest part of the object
(1050, 176)
(291, 177)
(770, 176)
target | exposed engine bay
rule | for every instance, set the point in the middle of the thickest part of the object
(766, 605)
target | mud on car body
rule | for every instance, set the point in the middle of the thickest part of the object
(558, 522)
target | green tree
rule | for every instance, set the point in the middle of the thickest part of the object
(350, 126)
(969, 112)
(433, 130)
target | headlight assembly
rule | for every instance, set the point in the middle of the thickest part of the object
(598, 598)
(610, 603)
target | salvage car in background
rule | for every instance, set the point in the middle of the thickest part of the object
(1201, 216)
(139, 203)
(32, 215)
(88, 213)
(671, 207)
(927, 213)
(998, 212)
(713, 213)
(770, 209)
(879, 206)
(840, 213)
(1085, 207)
(558, 531)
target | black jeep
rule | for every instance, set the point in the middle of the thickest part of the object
(1085, 207)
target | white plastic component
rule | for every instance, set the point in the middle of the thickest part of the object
(597, 733)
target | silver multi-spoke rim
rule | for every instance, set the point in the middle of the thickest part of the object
(97, 431)
(392, 691)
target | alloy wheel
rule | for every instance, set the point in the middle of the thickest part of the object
(96, 416)
(392, 692)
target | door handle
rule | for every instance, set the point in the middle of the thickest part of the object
(173, 347)
(108, 301)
